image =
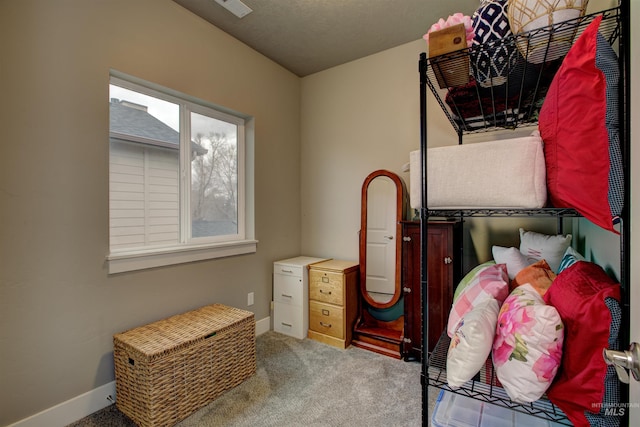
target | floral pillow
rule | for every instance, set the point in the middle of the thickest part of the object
(489, 282)
(527, 347)
(471, 342)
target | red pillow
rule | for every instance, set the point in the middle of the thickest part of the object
(578, 293)
(576, 138)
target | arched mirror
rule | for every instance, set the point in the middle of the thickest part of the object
(383, 207)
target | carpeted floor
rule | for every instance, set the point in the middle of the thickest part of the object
(306, 383)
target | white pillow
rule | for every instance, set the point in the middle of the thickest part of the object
(527, 347)
(514, 259)
(537, 246)
(471, 342)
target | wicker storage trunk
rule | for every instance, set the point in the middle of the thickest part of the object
(168, 369)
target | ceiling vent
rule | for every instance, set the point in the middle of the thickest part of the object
(236, 7)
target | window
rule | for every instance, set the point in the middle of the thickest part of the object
(177, 178)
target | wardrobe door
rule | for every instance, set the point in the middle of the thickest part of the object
(441, 265)
(412, 345)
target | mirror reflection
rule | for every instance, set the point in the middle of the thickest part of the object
(381, 239)
(383, 205)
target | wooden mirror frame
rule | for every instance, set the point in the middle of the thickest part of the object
(400, 210)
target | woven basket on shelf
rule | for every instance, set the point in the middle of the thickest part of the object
(168, 369)
(530, 15)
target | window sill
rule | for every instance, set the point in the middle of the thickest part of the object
(139, 260)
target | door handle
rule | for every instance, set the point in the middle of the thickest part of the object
(623, 360)
(388, 237)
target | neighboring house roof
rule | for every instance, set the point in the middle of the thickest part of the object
(130, 121)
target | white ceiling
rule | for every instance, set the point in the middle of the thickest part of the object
(307, 36)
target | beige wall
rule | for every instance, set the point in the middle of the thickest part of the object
(364, 116)
(58, 307)
(356, 118)
(317, 138)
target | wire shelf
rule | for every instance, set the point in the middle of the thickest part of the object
(512, 96)
(491, 101)
(485, 387)
(461, 213)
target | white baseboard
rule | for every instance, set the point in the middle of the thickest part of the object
(263, 325)
(73, 409)
(87, 403)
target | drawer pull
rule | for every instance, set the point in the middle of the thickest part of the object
(326, 325)
(325, 292)
(286, 324)
(286, 271)
(325, 312)
(287, 296)
(325, 280)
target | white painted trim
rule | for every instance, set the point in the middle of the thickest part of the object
(86, 404)
(137, 260)
(263, 326)
(73, 409)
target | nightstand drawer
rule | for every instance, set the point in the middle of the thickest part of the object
(327, 319)
(288, 290)
(326, 286)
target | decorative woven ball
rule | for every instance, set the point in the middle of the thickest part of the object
(529, 16)
(491, 63)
